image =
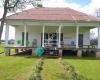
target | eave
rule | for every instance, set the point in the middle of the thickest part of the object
(53, 22)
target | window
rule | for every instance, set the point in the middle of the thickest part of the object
(51, 38)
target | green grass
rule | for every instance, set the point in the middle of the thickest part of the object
(88, 67)
(52, 70)
(20, 68)
(1, 48)
(16, 68)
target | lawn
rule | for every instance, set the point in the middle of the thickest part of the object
(16, 68)
(21, 67)
(88, 67)
(52, 70)
(1, 48)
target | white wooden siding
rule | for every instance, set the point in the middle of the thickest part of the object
(69, 33)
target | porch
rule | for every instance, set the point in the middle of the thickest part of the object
(62, 36)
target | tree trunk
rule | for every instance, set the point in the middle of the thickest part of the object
(3, 18)
(2, 24)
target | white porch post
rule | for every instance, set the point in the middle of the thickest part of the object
(98, 51)
(43, 31)
(6, 35)
(59, 36)
(6, 50)
(25, 30)
(77, 36)
(98, 37)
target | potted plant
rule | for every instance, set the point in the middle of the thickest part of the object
(18, 42)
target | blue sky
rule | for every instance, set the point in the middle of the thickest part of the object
(81, 2)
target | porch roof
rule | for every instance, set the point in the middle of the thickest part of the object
(52, 14)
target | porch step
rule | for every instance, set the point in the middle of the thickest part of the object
(51, 53)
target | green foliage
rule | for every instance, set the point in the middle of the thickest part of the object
(73, 75)
(36, 71)
(18, 41)
(1, 48)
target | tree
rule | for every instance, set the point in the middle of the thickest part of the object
(94, 41)
(13, 5)
(97, 11)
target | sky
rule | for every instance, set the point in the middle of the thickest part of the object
(80, 2)
(86, 6)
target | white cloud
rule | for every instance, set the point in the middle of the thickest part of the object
(89, 8)
(60, 3)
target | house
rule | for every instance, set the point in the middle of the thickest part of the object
(63, 28)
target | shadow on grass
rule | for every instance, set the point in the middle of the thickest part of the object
(25, 55)
(50, 57)
(28, 55)
(82, 58)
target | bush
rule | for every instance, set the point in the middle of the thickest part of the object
(36, 71)
(18, 41)
(73, 75)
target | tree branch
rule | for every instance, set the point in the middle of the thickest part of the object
(16, 3)
(8, 7)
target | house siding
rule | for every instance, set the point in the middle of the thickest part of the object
(69, 34)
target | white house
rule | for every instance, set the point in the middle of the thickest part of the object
(55, 27)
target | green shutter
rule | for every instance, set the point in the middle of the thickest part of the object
(22, 38)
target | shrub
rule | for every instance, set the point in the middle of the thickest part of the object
(18, 41)
(36, 71)
(73, 75)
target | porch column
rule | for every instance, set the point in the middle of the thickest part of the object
(59, 36)
(98, 51)
(98, 37)
(77, 36)
(43, 31)
(6, 50)
(6, 35)
(25, 30)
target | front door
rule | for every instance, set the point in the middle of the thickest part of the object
(51, 39)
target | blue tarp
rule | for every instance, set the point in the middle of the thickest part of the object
(39, 51)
